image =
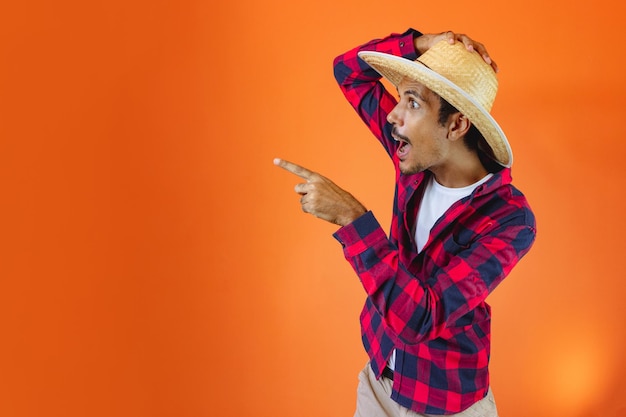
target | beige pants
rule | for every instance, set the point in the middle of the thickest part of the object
(373, 399)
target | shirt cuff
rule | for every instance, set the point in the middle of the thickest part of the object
(407, 46)
(359, 235)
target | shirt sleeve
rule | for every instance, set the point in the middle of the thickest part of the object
(418, 309)
(362, 87)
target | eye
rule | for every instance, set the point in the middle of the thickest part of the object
(413, 104)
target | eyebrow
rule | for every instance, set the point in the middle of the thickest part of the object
(416, 94)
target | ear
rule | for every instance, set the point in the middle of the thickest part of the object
(458, 126)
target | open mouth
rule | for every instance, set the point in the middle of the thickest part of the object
(404, 144)
(403, 150)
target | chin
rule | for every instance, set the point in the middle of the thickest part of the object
(408, 169)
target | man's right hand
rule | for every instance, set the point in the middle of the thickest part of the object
(424, 42)
(323, 198)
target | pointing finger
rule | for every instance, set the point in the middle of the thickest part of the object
(294, 168)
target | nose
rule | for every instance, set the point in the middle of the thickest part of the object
(394, 116)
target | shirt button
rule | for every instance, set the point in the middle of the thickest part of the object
(401, 44)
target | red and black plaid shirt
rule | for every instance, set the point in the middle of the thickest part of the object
(430, 306)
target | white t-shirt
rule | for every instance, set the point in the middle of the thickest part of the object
(436, 201)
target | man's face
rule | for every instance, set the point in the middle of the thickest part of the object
(422, 140)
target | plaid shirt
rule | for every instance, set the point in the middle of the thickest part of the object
(430, 307)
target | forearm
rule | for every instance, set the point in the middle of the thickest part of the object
(361, 84)
(386, 281)
(418, 309)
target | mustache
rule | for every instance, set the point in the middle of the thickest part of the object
(395, 134)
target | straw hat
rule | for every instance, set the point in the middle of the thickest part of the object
(460, 77)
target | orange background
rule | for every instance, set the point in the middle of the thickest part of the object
(155, 263)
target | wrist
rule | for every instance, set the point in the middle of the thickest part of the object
(421, 43)
(352, 216)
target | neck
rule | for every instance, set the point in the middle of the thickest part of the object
(460, 172)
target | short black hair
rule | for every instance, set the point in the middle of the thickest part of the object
(473, 139)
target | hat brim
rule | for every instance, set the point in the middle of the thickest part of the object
(395, 68)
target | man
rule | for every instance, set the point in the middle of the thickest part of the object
(458, 225)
